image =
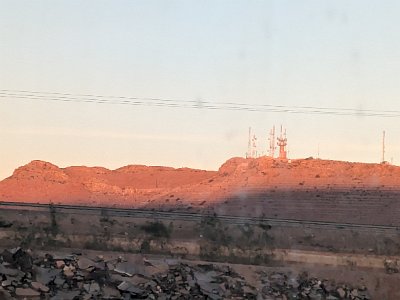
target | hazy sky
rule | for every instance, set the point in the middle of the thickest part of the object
(310, 53)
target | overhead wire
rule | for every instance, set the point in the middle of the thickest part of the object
(193, 104)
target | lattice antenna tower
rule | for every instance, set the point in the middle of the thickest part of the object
(272, 145)
(249, 145)
(282, 143)
(248, 153)
(254, 146)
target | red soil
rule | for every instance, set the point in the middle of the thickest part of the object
(301, 189)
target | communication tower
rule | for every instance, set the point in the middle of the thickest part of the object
(383, 147)
(254, 146)
(282, 143)
(248, 153)
(272, 145)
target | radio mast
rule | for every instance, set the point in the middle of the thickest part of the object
(248, 153)
(383, 147)
(272, 145)
(254, 147)
(282, 143)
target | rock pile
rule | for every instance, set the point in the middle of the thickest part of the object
(280, 286)
(24, 275)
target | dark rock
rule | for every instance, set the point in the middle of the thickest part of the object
(26, 292)
(66, 295)
(58, 281)
(127, 269)
(84, 279)
(110, 293)
(23, 260)
(44, 275)
(128, 287)
(85, 263)
(9, 271)
(39, 287)
(5, 295)
(6, 283)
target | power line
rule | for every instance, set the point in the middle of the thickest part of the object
(174, 103)
(197, 101)
(190, 101)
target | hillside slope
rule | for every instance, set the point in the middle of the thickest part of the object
(309, 189)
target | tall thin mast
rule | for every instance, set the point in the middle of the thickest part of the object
(383, 146)
(282, 143)
(272, 145)
(248, 154)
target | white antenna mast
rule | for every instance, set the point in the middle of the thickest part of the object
(383, 147)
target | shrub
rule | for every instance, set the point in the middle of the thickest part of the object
(156, 229)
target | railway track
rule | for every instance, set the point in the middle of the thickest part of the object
(188, 216)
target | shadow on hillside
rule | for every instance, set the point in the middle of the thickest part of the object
(361, 206)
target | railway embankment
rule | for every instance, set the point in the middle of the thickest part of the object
(209, 237)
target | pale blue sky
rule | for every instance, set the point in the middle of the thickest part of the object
(319, 53)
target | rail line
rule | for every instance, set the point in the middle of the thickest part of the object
(188, 216)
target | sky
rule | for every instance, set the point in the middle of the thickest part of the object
(340, 54)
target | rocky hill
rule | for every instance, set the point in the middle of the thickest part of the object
(314, 189)
(44, 182)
